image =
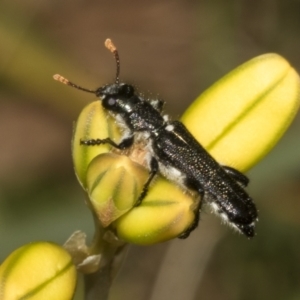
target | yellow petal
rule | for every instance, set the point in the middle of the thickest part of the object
(38, 270)
(242, 116)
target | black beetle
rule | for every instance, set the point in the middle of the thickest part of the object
(175, 153)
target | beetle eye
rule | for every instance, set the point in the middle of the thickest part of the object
(111, 101)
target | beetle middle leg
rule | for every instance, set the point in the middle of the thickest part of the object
(153, 171)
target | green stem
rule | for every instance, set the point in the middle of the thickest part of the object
(97, 285)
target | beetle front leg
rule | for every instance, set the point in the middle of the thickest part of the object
(124, 144)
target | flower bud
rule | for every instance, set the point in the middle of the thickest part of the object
(39, 270)
(164, 213)
(241, 117)
(93, 123)
(114, 184)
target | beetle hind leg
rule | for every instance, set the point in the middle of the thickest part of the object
(195, 222)
(237, 175)
(197, 210)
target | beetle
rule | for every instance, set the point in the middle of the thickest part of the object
(174, 152)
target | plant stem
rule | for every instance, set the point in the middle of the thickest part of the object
(97, 284)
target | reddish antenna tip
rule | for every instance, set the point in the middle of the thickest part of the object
(61, 79)
(110, 45)
(68, 82)
(113, 49)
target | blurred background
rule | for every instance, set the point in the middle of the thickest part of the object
(173, 49)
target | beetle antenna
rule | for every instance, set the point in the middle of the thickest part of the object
(112, 48)
(68, 82)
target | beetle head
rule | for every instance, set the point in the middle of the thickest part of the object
(118, 97)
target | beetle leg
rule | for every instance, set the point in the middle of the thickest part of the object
(124, 144)
(197, 209)
(237, 175)
(153, 171)
(195, 223)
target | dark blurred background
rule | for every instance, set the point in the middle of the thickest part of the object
(174, 49)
